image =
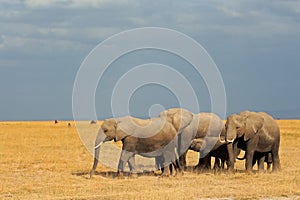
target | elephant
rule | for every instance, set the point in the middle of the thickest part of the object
(207, 126)
(150, 138)
(253, 132)
(219, 151)
(182, 119)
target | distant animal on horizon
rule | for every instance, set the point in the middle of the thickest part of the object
(93, 122)
(55, 121)
(69, 125)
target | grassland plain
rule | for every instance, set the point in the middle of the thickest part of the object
(43, 160)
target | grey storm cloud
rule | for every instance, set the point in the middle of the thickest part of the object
(43, 42)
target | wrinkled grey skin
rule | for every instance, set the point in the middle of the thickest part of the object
(253, 132)
(206, 126)
(150, 138)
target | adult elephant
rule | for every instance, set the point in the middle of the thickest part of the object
(206, 126)
(253, 132)
(150, 138)
(184, 123)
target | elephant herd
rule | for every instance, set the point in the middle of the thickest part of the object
(168, 137)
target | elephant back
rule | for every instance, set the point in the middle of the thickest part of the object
(180, 118)
(210, 125)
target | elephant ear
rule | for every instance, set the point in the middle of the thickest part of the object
(254, 122)
(179, 117)
(120, 134)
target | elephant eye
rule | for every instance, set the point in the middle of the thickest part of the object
(105, 130)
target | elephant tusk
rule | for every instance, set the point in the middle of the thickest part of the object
(222, 141)
(230, 141)
(96, 147)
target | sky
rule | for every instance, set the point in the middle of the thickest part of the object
(255, 45)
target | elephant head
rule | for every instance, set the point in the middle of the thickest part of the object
(112, 131)
(179, 117)
(197, 144)
(107, 132)
(245, 124)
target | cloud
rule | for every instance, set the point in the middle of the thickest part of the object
(2, 41)
(74, 3)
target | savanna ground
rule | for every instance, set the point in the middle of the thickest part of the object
(43, 160)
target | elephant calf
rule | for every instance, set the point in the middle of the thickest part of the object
(219, 152)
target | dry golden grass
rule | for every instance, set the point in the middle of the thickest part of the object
(40, 160)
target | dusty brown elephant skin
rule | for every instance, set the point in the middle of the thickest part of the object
(206, 126)
(253, 132)
(150, 138)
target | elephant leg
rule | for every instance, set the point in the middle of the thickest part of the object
(255, 158)
(269, 166)
(159, 163)
(231, 155)
(124, 158)
(268, 160)
(182, 160)
(166, 171)
(204, 164)
(217, 165)
(249, 160)
(169, 156)
(222, 164)
(275, 159)
(261, 162)
(131, 164)
(160, 166)
(178, 167)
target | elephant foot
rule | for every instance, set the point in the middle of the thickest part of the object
(120, 175)
(164, 175)
(133, 175)
(149, 173)
(261, 171)
(217, 171)
(92, 173)
(230, 171)
(274, 171)
(201, 169)
(249, 172)
(179, 173)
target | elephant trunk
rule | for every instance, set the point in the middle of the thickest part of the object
(101, 138)
(231, 134)
(222, 139)
(96, 157)
(231, 156)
